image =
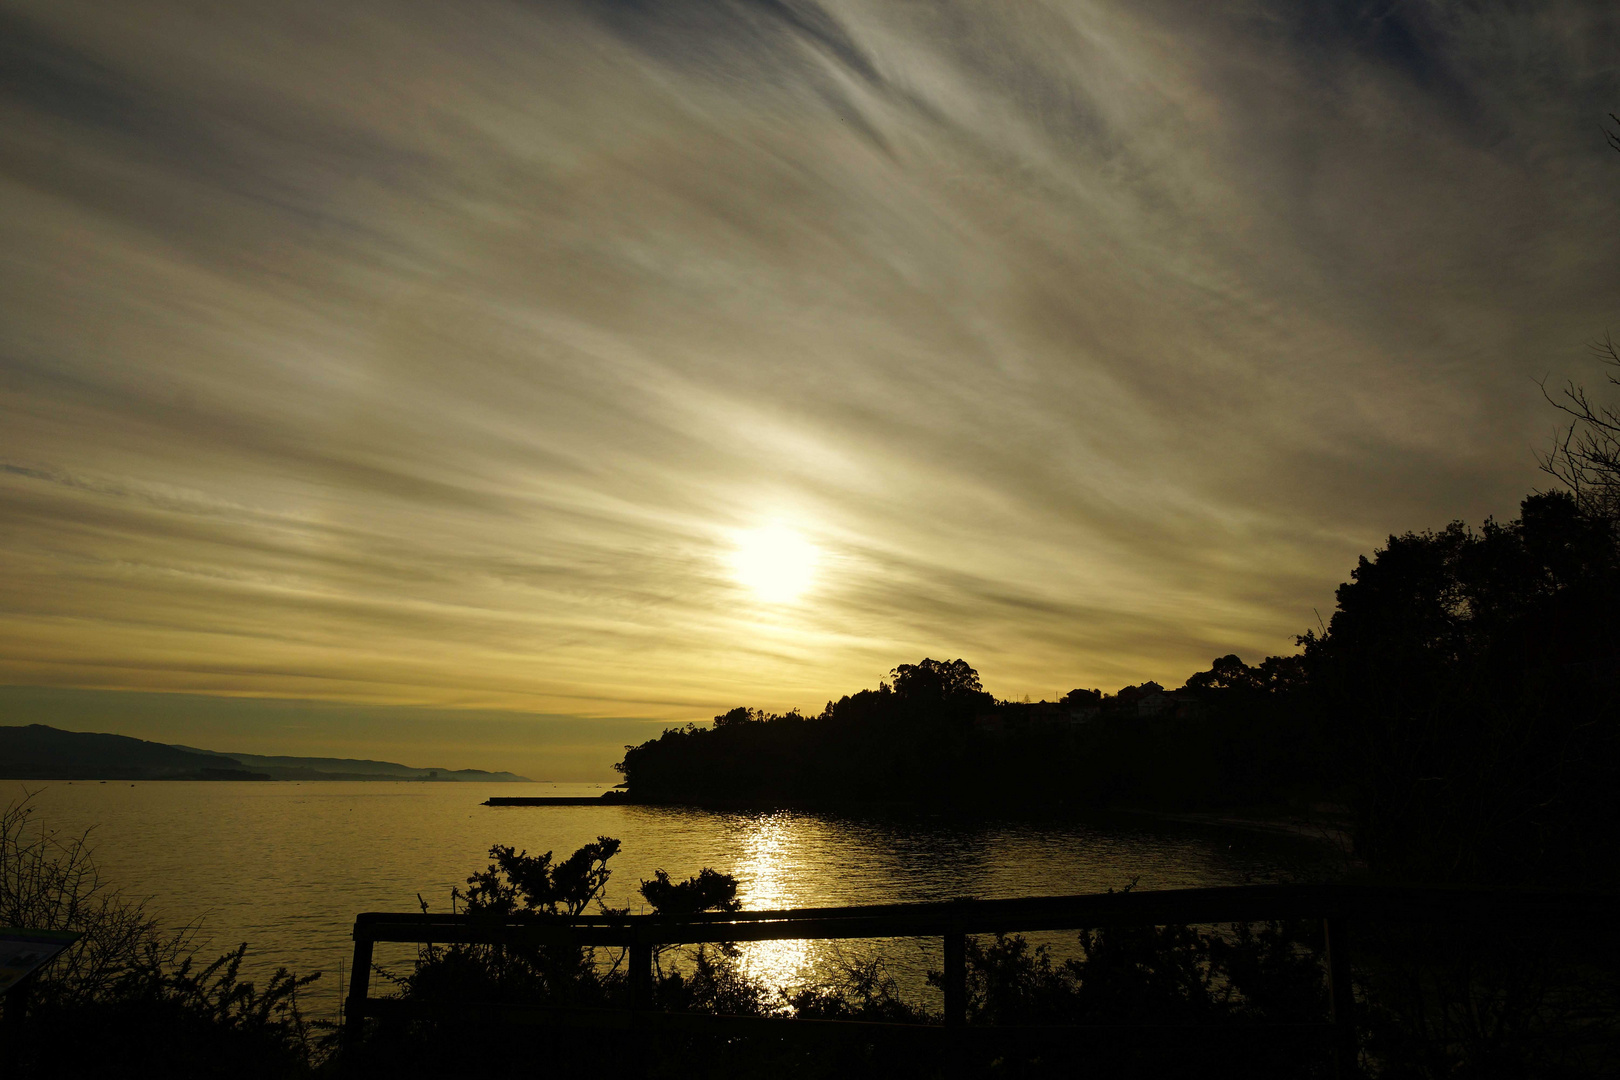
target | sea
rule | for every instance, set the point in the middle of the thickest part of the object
(285, 866)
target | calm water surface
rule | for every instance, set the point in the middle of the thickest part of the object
(285, 866)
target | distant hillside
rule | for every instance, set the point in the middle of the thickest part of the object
(325, 768)
(39, 752)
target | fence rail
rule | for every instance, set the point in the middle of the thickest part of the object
(951, 921)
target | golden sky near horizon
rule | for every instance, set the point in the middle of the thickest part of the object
(455, 357)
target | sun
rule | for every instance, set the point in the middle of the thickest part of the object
(775, 562)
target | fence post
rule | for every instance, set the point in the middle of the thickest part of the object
(955, 977)
(634, 1049)
(359, 986)
(1341, 997)
(17, 1002)
(640, 975)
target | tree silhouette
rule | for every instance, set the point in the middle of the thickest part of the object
(1585, 457)
(710, 890)
(518, 883)
(1466, 681)
(937, 680)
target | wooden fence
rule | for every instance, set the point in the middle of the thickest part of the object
(1337, 906)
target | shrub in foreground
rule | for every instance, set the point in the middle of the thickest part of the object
(129, 997)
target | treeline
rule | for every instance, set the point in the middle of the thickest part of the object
(932, 735)
(1460, 704)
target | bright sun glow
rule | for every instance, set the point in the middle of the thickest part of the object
(776, 562)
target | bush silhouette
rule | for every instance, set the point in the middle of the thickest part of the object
(129, 998)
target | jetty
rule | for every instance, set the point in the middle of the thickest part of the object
(556, 800)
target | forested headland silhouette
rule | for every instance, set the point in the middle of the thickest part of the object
(1457, 708)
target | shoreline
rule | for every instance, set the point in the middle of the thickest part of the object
(1335, 834)
(1330, 830)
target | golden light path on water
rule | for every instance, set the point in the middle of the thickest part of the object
(767, 873)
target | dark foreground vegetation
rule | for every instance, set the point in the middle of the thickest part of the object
(1501, 999)
(132, 998)
(1458, 999)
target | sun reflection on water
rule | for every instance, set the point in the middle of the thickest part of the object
(768, 872)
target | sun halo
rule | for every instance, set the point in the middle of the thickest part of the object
(775, 562)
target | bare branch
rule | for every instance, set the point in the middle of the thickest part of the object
(1585, 455)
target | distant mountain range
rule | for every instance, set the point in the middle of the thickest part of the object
(39, 752)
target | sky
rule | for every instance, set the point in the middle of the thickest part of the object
(418, 380)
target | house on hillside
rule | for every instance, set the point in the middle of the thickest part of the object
(1152, 701)
(1046, 716)
(990, 722)
(1128, 701)
(1020, 718)
(1081, 715)
(1186, 705)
